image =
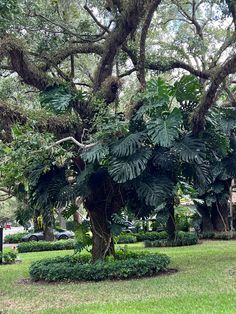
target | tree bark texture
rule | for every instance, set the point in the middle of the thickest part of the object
(104, 200)
(171, 226)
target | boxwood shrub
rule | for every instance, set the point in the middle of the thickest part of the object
(126, 238)
(182, 239)
(14, 238)
(80, 268)
(217, 235)
(8, 257)
(153, 235)
(45, 246)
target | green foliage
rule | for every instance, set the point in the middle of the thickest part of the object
(59, 98)
(8, 11)
(8, 257)
(188, 88)
(128, 145)
(183, 218)
(124, 238)
(155, 98)
(95, 154)
(153, 190)
(182, 239)
(164, 130)
(124, 266)
(190, 149)
(83, 237)
(218, 235)
(151, 236)
(71, 225)
(14, 238)
(45, 246)
(129, 168)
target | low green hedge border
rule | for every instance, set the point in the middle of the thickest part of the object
(153, 235)
(182, 239)
(45, 246)
(79, 268)
(141, 236)
(125, 238)
(14, 238)
(218, 235)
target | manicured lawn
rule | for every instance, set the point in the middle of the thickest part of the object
(205, 283)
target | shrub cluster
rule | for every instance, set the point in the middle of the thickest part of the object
(14, 238)
(71, 268)
(217, 235)
(151, 236)
(126, 238)
(8, 257)
(182, 238)
(45, 246)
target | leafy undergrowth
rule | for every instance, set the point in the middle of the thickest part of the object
(205, 283)
(125, 265)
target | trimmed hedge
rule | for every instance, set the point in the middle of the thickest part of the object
(182, 239)
(126, 238)
(217, 235)
(125, 266)
(45, 246)
(14, 238)
(153, 235)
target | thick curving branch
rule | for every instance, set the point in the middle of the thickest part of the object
(198, 117)
(61, 55)
(167, 66)
(142, 54)
(126, 24)
(60, 126)
(174, 64)
(20, 63)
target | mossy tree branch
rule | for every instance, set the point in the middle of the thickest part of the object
(198, 117)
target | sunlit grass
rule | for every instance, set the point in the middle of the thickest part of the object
(205, 283)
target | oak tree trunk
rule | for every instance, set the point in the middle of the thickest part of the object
(102, 242)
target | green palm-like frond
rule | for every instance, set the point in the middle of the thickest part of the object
(188, 88)
(57, 99)
(129, 168)
(95, 153)
(164, 158)
(154, 191)
(230, 165)
(190, 149)
(164, 130)
(128, 145)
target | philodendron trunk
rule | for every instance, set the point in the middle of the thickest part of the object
(206, 224)
(220, 217)
(102, 244)
(48, 233)
(171, 226)
(104, 200)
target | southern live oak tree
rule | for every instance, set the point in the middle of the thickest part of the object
(73, 55)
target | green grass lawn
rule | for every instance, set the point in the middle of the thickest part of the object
(205, 283)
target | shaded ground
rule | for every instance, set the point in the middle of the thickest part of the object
(205, 283)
